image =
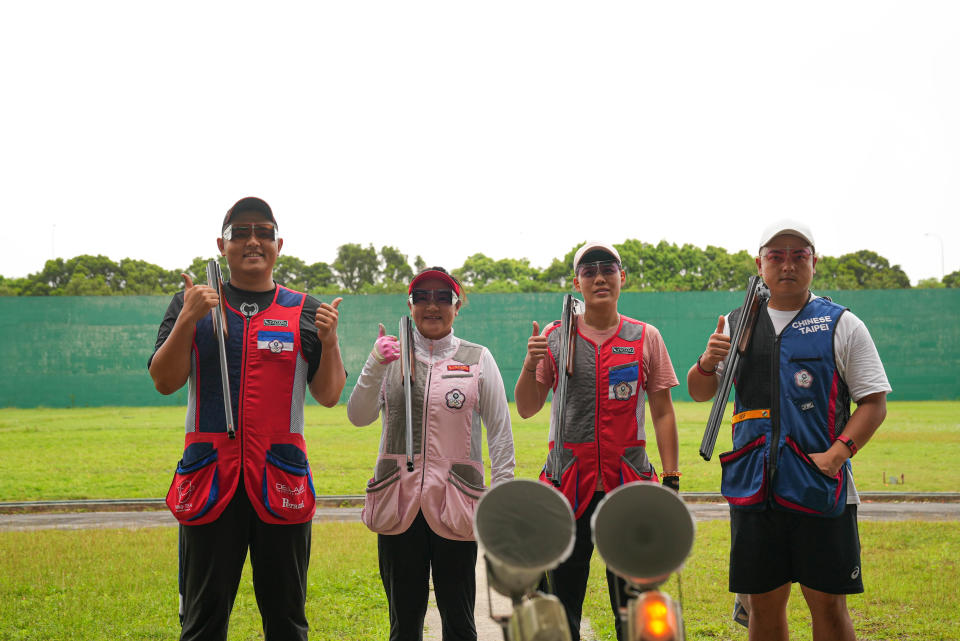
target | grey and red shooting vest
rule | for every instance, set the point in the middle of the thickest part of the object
(604, 424)
(268, 382)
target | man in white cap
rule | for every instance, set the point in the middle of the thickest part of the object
(618, 363)
(788, 480)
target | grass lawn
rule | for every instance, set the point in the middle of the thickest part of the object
(122, 584)
(131, 452)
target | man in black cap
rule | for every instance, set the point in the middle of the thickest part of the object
(255, 490)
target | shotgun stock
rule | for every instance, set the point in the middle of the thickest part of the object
(739, 342)
(407, 360)
(215, 280)
(568, 329)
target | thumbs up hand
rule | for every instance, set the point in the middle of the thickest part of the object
(198, 300)
(536, 349)
(718, 346)
(326, 321)
(386, 349)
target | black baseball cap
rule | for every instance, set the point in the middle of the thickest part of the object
(250, 203)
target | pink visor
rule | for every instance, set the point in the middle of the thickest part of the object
(433, 273)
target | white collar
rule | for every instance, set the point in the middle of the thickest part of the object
(436, 348)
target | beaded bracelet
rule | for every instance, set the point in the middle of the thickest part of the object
(705, 372)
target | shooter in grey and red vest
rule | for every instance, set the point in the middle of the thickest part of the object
(254, 490)
(423, 512)
(793, 516)
(618, 365)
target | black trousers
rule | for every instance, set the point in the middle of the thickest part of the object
(569, 580)
(211, 562)
(406, 562)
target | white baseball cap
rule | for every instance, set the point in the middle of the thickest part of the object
(594, 245)
(786, 226)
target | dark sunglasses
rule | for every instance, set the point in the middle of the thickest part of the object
(438, 296)
(243, 231)
(590, 270)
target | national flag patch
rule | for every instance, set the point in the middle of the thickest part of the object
(458, 368)
(276, 342)
(623, 381)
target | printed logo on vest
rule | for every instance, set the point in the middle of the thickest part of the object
(455, 399)
(620, 349)
(276, 342)
(803, 379)
(809, 405)
(249, 309)
(290, 505)
(271, 322)
(283, 488)
(184, 490)
(458, 368)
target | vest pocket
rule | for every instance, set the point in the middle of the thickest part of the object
(196, 484)
(460, 498)
(800, 486)
(381, 507)
(287, 487)
(744, 474)
(569, 475)
(634, 460)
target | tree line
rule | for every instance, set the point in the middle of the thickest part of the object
(663, 267)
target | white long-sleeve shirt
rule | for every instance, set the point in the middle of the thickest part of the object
(367, 399)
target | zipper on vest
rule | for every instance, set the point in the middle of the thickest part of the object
(424, 416)
(596, 421)
(774, 412)
(243, 392)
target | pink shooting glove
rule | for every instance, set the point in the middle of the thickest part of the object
(386, 349)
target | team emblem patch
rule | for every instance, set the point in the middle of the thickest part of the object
(624, 381)
(803, 379)
(249, 309)
(455, 399)
(275, 342)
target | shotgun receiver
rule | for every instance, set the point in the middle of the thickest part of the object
(568, 330)
(740, 337)
(215, 280)
(407, 360)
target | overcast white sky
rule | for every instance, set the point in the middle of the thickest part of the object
(516, 129)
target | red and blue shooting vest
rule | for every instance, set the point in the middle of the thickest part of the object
(268, 381)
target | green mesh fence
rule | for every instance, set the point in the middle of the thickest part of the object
(93, 351)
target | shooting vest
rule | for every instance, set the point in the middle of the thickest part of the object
(447, 477)
(268, 381)
(790, 400)
(604, 433)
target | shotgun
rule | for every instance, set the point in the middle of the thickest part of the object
(407, 360)
(215, 280)
(757, 292)
(568, 330)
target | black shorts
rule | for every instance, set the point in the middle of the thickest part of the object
(771, 547)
